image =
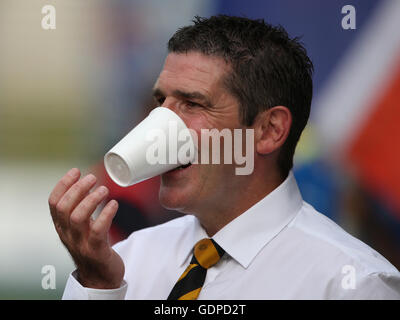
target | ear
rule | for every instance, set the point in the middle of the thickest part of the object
(272, 128)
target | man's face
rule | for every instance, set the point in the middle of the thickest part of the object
(191, 85)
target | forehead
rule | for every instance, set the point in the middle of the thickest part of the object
(192, 70)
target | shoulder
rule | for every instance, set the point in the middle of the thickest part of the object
(349, 267)
(324, 234)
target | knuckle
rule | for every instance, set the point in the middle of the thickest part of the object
(90, 201)
(84, 207)
(76, 187)
(75, 219)
(60, 206)
(93, 199)
(85, 182)
(52, 201)
(68, 179)
(59, 228)
(67, 197)
(95, 232)
(96, 236)
(64, 183)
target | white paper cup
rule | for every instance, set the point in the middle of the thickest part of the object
(156, 145)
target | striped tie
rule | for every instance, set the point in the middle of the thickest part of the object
(206, 253)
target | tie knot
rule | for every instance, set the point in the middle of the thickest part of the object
(207, 252)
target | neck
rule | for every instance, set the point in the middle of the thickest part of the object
(242, 196)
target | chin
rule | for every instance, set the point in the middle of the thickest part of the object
(174, 199)
(180, 189)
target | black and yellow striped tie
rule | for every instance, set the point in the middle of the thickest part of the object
(206, 254)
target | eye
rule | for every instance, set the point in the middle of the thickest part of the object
(160, 100)
(192, 104)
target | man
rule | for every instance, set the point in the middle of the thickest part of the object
(235, 73)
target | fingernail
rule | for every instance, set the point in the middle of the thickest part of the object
(103, 190)
(73, 172)
(113, 203)
(90, 178)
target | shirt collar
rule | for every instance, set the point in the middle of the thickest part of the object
(245, 236)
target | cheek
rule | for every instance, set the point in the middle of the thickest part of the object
(196, 123)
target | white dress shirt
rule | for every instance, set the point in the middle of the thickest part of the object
(281, 248)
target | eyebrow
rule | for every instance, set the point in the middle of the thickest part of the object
(194, 95)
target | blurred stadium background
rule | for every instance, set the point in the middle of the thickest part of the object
(68, 95)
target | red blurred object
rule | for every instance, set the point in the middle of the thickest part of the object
(376, 149)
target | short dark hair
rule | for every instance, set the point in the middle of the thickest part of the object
(268, 69)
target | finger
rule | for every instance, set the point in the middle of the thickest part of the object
(80, 216)
(73, 197)
(100, 227)
(61, 187)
